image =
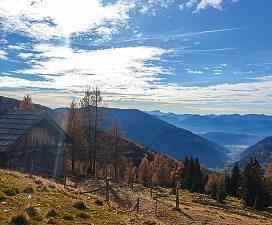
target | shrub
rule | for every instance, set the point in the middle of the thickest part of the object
(28, 190)
(38, 218)
(32, 211)
(98, 202)
(3, 196)
(38, 182)
(17, 191)
(80, 206)
(52, 213)
(83, 215)
(9, 191)
(41, 188)
(52, 186)
(51, 221)
(67, 216)
(148, 222)
(19, 220)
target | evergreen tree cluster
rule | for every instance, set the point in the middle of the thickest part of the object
(193, 177)
(250, 184)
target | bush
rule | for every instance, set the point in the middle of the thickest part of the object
(52, 186)
(9, 191)
(148, 222)
(51, 221)
(3, 196)
(28, 190)
(67, 216)
(32, 211)
(83, 215)
(19, 220)
(38, 182)
(80, 206)
(41, 188)
(52, 213)
(98, 202)
(38, 218)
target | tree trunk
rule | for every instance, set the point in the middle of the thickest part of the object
(177, 200)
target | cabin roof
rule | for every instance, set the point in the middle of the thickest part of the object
(15, 124)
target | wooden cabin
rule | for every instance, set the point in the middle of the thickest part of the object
(32, 140)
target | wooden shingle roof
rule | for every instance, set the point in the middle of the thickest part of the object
(15, 124)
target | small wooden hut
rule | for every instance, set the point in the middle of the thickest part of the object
(32, 140)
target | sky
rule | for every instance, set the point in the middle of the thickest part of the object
(183, 56)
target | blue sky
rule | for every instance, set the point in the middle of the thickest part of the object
(185, 56)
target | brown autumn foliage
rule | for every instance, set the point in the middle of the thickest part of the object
(27, 103)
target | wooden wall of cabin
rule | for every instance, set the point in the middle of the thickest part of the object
(42, 146)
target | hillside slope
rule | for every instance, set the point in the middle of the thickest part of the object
(38, 198)
(262, 150)
(166, 138)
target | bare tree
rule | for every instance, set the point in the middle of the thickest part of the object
(71, 129)
(116, 135)
(93, 116)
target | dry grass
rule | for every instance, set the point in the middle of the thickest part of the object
(195, 208)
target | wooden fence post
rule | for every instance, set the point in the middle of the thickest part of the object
(31, 169)
(137, 206)
(107, 189)
(156, 203)
(177, 200)
(65, 168)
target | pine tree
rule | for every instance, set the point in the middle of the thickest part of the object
(222, 186)
(214, 189)
(198, 178)
(234, 180)
(189, 173)
(253, 189)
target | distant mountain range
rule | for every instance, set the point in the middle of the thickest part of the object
(163, 137)
(231, 139)
(258, 125)
(262, 150)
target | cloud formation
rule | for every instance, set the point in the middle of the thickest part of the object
(54, 19)
(199, 5)
(3, 54)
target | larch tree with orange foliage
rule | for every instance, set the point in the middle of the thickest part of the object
(144, 171)
(27, 103)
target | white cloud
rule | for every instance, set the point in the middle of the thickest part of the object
(217, 72)
(182, 7)
(203, 4)
(3, 41)
(66, 69)
(50, 18)
(3, 54)
(189, 71)
(14, 47)
(24, 55)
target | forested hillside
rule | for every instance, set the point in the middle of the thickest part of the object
(262, 150)
(167, 139)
